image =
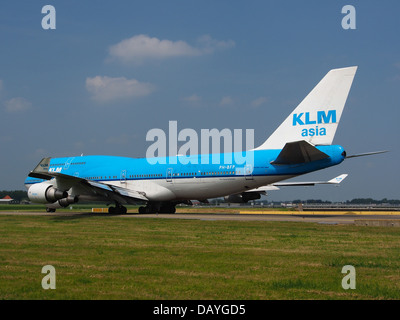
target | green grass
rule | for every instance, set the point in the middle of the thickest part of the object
(42, 207)
(106, 257)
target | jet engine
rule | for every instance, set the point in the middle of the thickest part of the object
(45, 193)
(242, 197)
(65, 202)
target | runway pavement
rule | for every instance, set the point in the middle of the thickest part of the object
(322, 218)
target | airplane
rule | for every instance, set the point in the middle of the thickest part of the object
(300, 145)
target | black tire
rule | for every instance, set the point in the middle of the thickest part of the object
(142, 210)
(167, 209)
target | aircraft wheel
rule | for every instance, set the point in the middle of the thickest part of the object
(167, 209)
(142, 210)
(117, 210)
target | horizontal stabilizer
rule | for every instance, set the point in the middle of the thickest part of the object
(299, 152)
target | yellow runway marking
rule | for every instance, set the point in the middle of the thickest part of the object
(321, 212)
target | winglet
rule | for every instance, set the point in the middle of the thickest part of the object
(338, 179)
(41, 170)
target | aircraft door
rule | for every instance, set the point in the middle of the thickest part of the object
(123, 176)
(169, 175)
(248, 172)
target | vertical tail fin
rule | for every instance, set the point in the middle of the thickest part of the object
(316, 118)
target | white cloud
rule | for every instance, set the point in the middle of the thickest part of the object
(80, 145)
(40, 152)
(17, 105)
(226, 101)
(1, 87)
(122, 139)
(209, 45)
(258, 102)
(192, 98)
(397, 75)
(142, 47)
(105, 89)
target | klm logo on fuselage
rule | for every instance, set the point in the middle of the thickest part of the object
(307, 118)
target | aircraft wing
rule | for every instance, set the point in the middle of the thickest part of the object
(256, 193)
(101, 189)
(113, 191)
(275, 186)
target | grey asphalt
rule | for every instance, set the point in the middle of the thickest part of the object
(324, 218)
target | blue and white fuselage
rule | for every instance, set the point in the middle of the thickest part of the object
(174, 182)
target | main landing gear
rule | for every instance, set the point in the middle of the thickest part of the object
(153, 207)
(118, 209)
(157, 208)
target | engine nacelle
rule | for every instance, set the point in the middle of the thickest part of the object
(45, 193)
(242, 197)
(65, 202)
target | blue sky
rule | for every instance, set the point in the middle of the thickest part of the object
(111, 71)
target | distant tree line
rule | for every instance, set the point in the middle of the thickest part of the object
(354, 201)
(17, 195)
(372, 201)
(20, 195)
(312, 201)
